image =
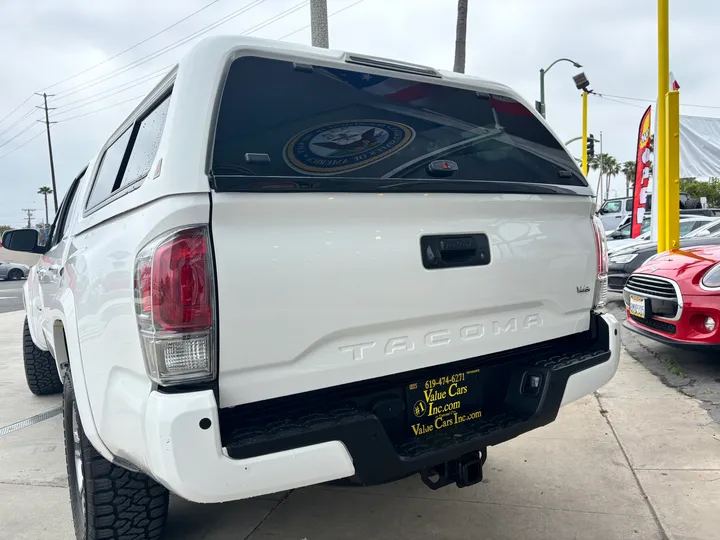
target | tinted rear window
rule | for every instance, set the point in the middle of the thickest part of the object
(308, 127)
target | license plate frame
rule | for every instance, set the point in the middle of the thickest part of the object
(445, 400)
(638, 306)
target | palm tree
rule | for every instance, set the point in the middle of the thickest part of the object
(45, 191)
(612, 169)
(608, 166)
(629, 170)
(460, 34)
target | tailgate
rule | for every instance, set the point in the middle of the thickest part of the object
(317, 290)
(328, 179)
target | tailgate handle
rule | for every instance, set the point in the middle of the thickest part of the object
(457, 249)
(449, 251)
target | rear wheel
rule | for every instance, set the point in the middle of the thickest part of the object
(107, 501)
(40, 369)
(15, 274)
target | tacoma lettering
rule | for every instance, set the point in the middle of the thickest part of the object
(443, 337)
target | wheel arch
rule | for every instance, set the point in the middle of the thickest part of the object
(69, 360)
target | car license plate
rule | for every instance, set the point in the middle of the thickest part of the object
(442, 402)
(637, 306)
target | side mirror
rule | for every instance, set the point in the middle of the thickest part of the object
(26, 240)
(701, 234)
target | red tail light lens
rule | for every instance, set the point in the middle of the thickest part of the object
(175, 296)
(181, 292)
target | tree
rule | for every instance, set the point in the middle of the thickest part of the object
(629, 170)
(45, 191)
(460, 36)
(608, 166)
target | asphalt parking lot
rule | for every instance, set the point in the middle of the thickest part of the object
(637, 460)
(10, 296)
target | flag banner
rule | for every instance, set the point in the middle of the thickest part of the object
(642, 174)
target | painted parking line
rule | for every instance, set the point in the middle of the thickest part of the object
(31, 421)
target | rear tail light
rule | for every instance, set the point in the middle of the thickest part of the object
(174, 306)
(601, 282)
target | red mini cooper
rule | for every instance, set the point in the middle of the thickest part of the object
(675, 298)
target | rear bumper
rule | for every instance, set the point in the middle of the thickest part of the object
(236, 457)
(683, 332)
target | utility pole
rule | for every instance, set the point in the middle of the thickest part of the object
(52, 163)
(319, 23)
(461, 36)
(29, 212)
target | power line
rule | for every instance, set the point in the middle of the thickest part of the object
(618, 101)
(8, 115)
(23, 144)
(147, 76)
(85, 85)
(100, 98)
(650, 101)
(163, 50)
(101, 109)
(173, 25)
(98, 80)
(27, 128)
(26, 115)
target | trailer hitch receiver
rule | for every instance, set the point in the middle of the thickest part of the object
(463, 472)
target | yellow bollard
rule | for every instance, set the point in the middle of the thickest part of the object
(660, 137)
(672, 170)
(585, 136)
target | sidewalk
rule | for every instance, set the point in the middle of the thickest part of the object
(637, 461)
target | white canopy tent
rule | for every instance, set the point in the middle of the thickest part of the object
(699, 152)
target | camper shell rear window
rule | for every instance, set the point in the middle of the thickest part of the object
(283, 126)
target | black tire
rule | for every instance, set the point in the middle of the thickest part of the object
(41, 371)
(114, 503)
(15, 274)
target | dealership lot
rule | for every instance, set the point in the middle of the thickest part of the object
(638, 460)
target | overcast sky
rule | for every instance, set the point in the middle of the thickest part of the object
(47, 41)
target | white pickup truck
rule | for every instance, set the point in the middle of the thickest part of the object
(291, 266)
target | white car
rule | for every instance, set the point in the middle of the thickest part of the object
(293, 265)
(13, 271)
(689, 226)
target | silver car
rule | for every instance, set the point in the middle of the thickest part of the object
(13, 271)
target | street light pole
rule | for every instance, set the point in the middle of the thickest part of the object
(585, 132)
(542, 82)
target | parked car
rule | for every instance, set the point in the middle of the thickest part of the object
(13, 271)
(674, 298)
(616, 212)
(620, 238)
(290, 275)
(710, 228)
(627, 260)
(613, 212)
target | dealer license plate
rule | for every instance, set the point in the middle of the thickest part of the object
(637, 306)
(443, 402)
